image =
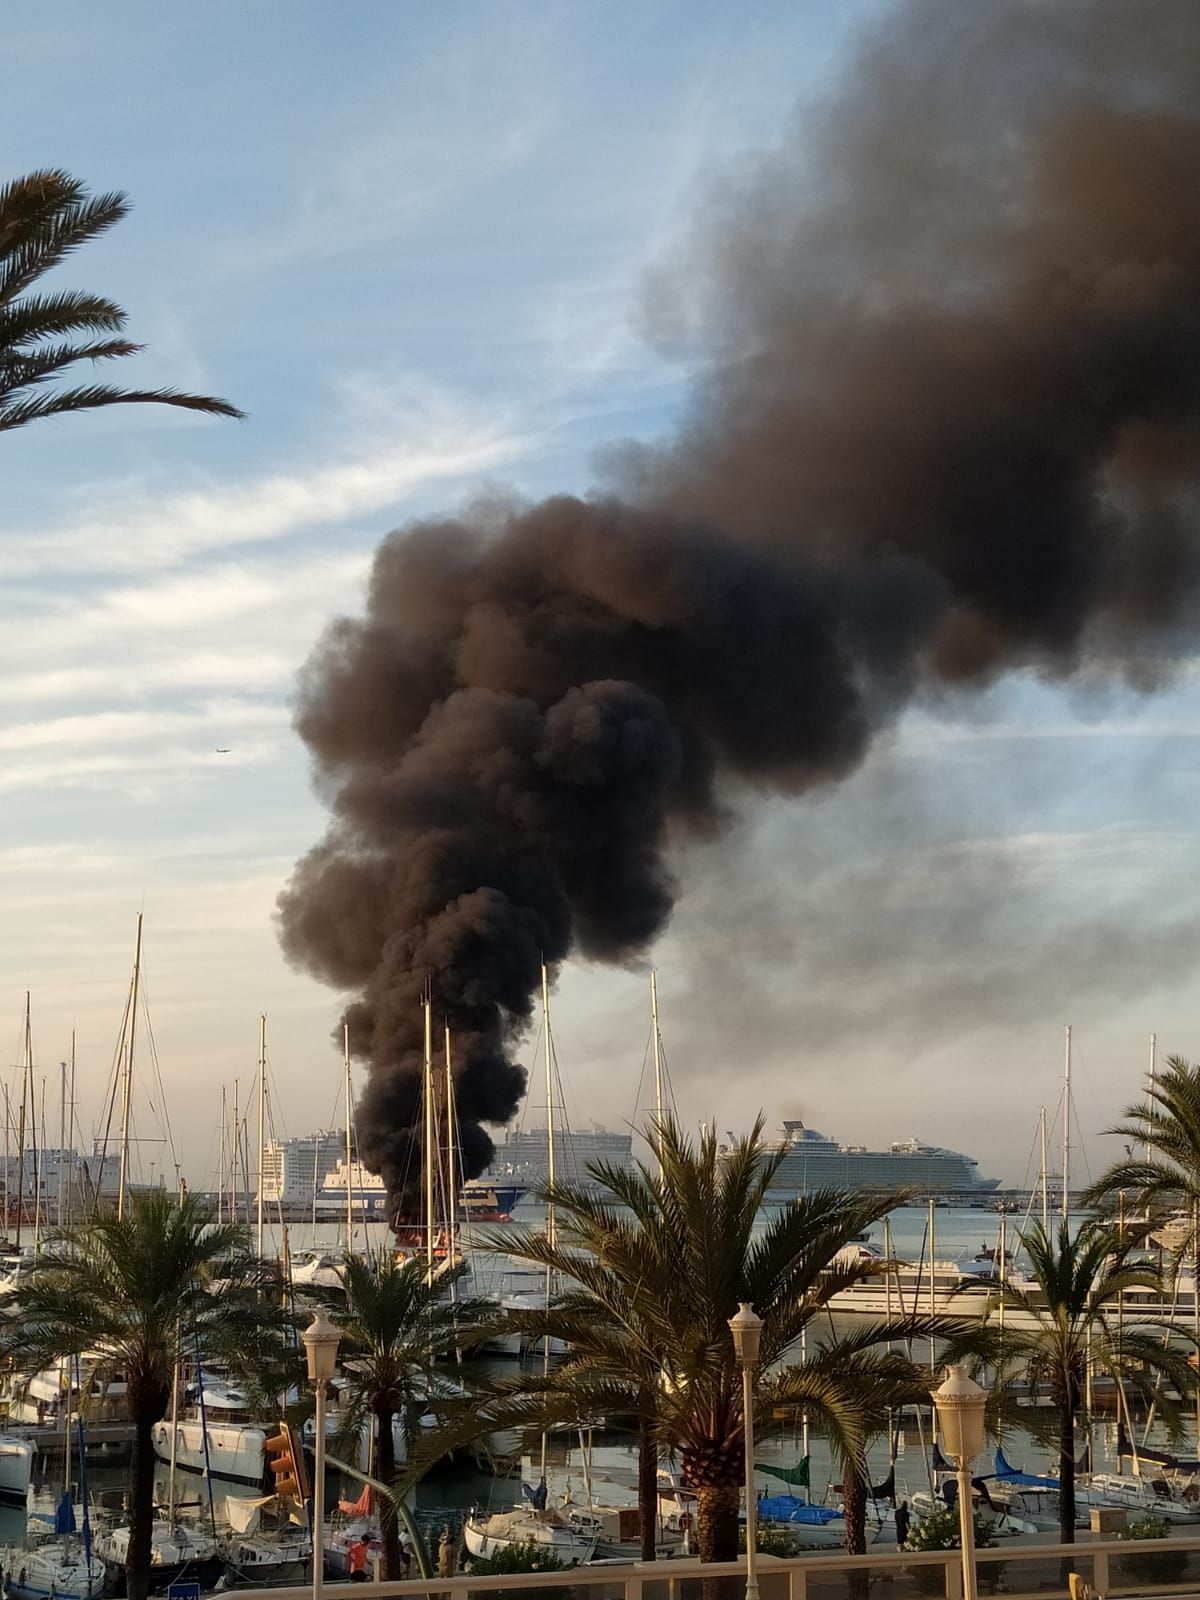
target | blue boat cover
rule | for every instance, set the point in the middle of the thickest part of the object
(1005, 1473)
(790, 1508)
(64, 1515)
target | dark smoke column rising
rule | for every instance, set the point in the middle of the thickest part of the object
(949, 428)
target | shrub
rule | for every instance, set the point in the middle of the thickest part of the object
(938, 1530)
(1146, 1566)
(528, 1556)
(771, 1541)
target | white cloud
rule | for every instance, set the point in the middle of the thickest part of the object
(426, 439)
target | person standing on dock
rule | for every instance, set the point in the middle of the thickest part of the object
(359, 1551)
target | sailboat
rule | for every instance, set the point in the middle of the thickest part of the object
(268, 1547)
(64, 1565)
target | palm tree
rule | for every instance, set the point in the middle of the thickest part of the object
(1070, 1318)
(396, 1323)
(654, 1267)
(43, 217)
(118, 1290)
(1166, 1127)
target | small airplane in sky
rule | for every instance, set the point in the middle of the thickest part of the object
(222, 750)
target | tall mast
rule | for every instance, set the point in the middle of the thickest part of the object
(21, 1132)
(262, 1119)
(7, 1152)
(1066, 1189)
(1146, 1147)
(71, 1130)
(62, 1142)
(127, 1088)
(222, 1149)
(550, 1228)
(39, 1153)
(430, 1140)
(451, 1176)
(658, 1081)
(349, 1139)
(1045, 1176)
(233, 1174)
(316, 1175)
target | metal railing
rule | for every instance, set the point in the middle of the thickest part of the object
(1113, 1567)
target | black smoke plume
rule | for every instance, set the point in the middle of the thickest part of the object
(946, 425)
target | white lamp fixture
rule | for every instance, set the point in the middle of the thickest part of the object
(746, 1329)
(321, 1340)
(961, 1406)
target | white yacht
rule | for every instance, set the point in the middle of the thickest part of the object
(236, 1446)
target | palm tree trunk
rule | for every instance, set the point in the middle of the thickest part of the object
(387, 1511)
(854, 1510)
(1066, 1474)
(141, 1507)
(717, 1521)
(648, 1487)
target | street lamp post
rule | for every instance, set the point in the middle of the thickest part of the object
(746, 1329)
(961, 1404)
(321, 1341)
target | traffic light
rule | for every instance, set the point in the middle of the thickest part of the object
(285, 1457)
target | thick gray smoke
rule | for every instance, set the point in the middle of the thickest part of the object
(946, 425)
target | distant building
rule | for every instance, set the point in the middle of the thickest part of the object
(295, 1170)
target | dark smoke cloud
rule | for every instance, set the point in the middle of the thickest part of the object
(946, 425)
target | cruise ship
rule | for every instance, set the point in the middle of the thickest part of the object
(522, 1156)
(813, 1160)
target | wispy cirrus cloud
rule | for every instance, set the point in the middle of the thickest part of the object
(419, 437)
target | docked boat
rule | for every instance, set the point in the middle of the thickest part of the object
(340, 1534)
(813, 1525)
(178, 1554)
(219, 1439)
(572, 1541)
(267, 1547)
(16, 1466)
(59, 1568)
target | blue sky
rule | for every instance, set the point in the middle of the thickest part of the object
(410, 242)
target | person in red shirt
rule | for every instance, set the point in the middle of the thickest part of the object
(359, 1551)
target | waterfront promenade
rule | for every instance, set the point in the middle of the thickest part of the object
(1019, 1572)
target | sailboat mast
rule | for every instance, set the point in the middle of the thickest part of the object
(127, 1086)
(349, 1139)
(233, 1171)
(658, 1080)
(21, 1134)
(1066, 1145)
(430, 1138)
(451, 1175)
(71, 1132)
(222, 1149)
(39, 1155)
(262, 1119)
(62, 1148)
(1045, 1176)
(550, 1228)
(7, 1152)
